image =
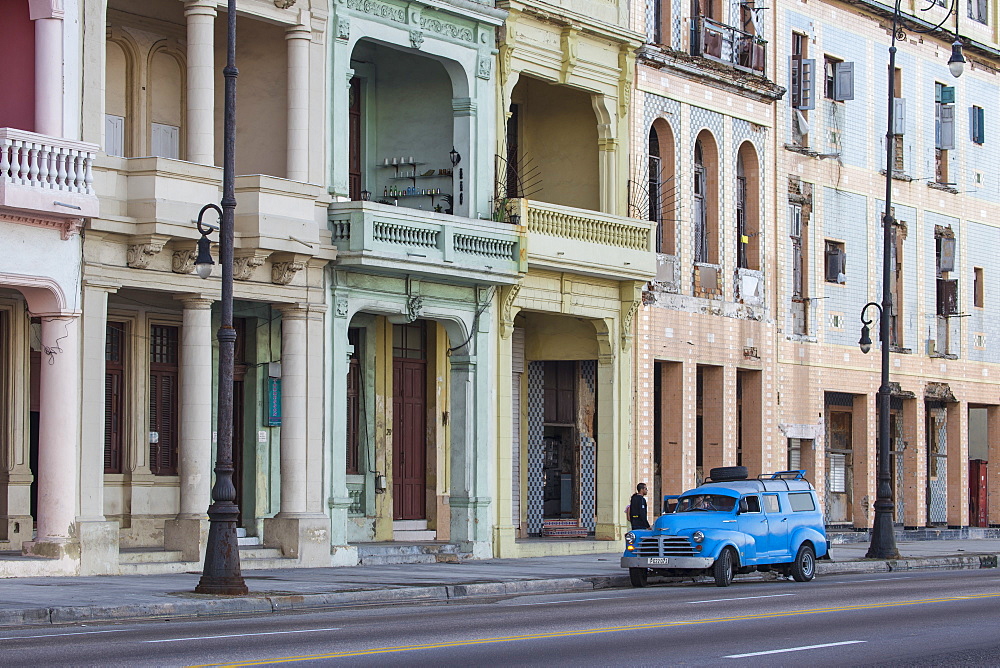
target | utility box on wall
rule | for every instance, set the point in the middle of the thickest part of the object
(978, 500)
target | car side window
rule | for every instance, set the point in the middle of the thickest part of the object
(771, 503)
(750, 504)
(803, 501)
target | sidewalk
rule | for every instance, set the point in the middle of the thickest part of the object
(78, 599)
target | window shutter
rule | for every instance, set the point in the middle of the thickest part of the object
(947, 296)
(843, 81)
(898, 116)
(112, 421)
(832, 264)
(946, 141)
(807, 76)
(166, 140)
(946, 260)
(947, 95)
(977, 119)
(114, 135)
(796, 270)
(795, 74)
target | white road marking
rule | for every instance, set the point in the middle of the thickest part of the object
(599, 598)
(246, 635)
(794, 649)
(886, 579)
(740, 598)
(56, 635)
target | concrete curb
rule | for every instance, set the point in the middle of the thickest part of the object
(270, 604)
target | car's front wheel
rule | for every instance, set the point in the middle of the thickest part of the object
(804, 567)
(724, 568)
(638, 576)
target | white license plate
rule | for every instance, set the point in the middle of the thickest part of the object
(658, 560)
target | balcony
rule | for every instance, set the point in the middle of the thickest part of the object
(387, 238)
(46, 181)
(726, 44)
(562, 238)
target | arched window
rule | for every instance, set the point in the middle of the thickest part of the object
(706, 200)
(661, 185)
(747, 208)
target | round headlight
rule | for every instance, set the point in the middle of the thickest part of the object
(630, 537)
(698, 536)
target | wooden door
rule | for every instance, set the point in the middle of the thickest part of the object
(354, 139)
(239, 398)
(409, 433)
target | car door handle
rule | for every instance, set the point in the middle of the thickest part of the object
(784, 519)
(727, 521)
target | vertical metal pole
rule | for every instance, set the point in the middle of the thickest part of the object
(221, 574)
(883, 545)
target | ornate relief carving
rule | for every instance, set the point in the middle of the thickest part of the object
(283, 4)
(414, 305)
(67, 226)
(140, 254)
(628, 317)
(507, 296)
(341, 307)
(447, 29)
(282, 273)
(243, 266)
(183, 261)
(416, 38)
(569, 45)
(485, 69)
(343, 27)
(378, 9)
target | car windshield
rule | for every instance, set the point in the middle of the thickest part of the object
(705, 502)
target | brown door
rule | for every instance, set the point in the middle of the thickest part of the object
(409, 429)
(239, 396)
(354, 139)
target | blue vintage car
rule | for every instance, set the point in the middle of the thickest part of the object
(731, 524)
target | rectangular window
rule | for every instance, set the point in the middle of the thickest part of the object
(839, 79)
(944, 129)
(114, 399)
(978, 287)
(801, 502)
(750, 504)
(163, 404)
(771, 503)
(977, 122)
(794, 454)
(978, 11)
(836, 262)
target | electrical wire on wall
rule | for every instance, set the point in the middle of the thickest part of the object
(475, 320)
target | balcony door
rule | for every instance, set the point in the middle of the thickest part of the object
(354, 138)
(409, 422)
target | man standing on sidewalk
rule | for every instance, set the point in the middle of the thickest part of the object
(637, 508)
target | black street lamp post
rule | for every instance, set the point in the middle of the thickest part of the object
(883, 541)
(221, 574)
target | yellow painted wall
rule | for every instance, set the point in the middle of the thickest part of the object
(558, 337)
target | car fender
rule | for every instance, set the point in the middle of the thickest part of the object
(803, 534)
(744, 546)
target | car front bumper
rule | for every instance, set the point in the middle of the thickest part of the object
(667, 562)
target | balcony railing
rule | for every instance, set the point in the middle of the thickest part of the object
(729, 45)
(386, 237)
(46, 175)
(590, 242)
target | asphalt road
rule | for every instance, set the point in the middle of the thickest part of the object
(924, 618)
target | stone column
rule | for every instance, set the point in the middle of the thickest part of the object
(200, 81)
(339, 500)
(993, 438)
(49, 72)
(298, 37)
(914, 465)
(470, 460)
(188, 532)
(864, 421)
(505, 535)
(464, 140)
(713, 400)
(958, 464)
(58, 436)
(300, 531)
(98, 537)
(609, 483)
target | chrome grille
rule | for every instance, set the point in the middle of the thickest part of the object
(664, 546)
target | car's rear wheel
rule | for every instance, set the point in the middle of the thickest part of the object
(638, 576)
(804, 567)
(727, 473)
(724, 568)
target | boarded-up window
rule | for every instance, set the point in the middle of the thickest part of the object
(114, 402)
(163, 373)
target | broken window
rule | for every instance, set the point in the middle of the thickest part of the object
(839, 83)
(836, 262)
(978, 288)
(944, 129)
(896, 283)
(802, 87)
(977, 124)
(947, 287)
(800, 299)
(898, 120)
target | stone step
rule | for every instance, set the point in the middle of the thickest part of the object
(252, 552)
(148, 556)
(413, 536)
(248, 540)
(376, 554)
(370, 560)
(409, 525)
(159, 567)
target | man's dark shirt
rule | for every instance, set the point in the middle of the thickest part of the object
(637, 512)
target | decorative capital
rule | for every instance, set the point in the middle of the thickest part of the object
(341, 307)
(142, 249)
(485, 69)
(629, 309)
(283, 272)
(283, 4)
(416, 38)
(245, 263)
(183, 261)
(344, 29)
